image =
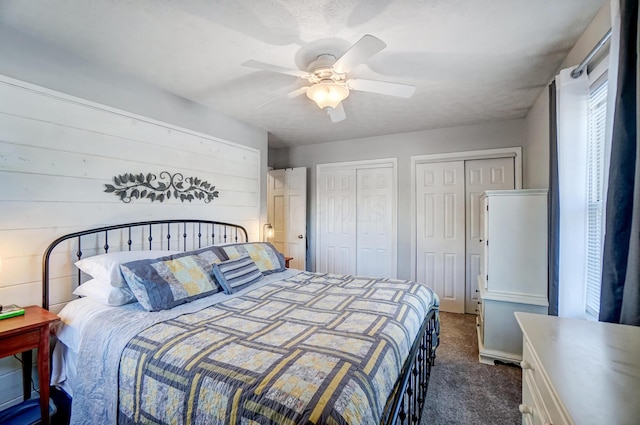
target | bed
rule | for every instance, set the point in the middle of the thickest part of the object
(251, 342)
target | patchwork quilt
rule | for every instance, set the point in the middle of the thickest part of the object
(312, 348)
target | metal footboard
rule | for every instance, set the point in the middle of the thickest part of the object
(410, 392)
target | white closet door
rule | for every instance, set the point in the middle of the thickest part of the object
(287, 213)
(376, 242)
(481, 175)
(440, 226)
(337, 222)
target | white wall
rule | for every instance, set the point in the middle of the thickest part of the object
(35, 61)
(57, 152)
(27, 59)
(401, 146)
(536, 153)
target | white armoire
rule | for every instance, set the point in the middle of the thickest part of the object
(514, 274)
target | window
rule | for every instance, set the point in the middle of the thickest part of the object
(596, 116)
(583, 145)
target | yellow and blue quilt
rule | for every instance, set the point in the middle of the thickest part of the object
(312, 348)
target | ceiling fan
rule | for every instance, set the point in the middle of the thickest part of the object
(328, 77)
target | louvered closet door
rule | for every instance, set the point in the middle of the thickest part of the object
(481, 175)
(440, 228)
(337, 222)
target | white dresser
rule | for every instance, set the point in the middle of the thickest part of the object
(514, 271)
(579, 372)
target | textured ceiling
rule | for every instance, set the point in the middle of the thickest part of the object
(471, 60)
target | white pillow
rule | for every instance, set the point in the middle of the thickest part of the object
(106, 267)
(104, 293)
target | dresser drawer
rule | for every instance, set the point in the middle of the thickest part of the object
(548, 405)
(14, 344)
(533, 413)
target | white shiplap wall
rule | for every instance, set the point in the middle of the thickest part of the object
(56, 154)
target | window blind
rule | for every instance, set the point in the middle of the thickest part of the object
(597, 115)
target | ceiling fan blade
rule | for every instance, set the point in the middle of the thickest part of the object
(382, 87)
(297, 92)
(275, 68)
(337, 114)
(364, 48)
(290, 95)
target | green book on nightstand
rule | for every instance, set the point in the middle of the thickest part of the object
(10, 310)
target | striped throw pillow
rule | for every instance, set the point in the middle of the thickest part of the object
(236, 274)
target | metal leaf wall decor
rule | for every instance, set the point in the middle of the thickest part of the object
(130, 186)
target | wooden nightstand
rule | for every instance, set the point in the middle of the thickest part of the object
(286, 261)
(23, 333)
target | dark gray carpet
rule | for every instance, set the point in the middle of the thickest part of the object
(464, 391)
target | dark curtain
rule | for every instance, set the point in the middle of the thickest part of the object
(620, 293)
(553, 204)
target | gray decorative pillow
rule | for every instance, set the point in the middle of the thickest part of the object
(265, 255)
(236, 274)
(165, 282)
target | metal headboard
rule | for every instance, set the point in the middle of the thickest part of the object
(208, 232)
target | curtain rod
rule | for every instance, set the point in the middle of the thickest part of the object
(580, 69)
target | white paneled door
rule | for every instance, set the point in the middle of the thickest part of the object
(440, 231)
(357, 222)
(287, 213)
(448, 225)
(337, 222)
(376, 254)
(481, 175)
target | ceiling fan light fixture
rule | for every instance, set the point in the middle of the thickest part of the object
(328, 94)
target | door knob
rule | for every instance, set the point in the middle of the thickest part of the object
(300, 237)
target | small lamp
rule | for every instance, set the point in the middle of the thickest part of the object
(267, 232)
